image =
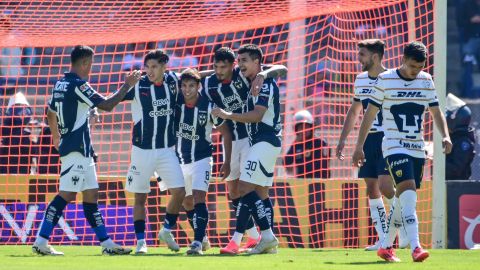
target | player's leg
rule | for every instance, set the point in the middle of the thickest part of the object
(138, 177)
(168, 168)
(263, 192)
(188, 200)
(70, 177)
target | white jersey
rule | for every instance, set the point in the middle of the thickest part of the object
(363, 90)
(403, 104)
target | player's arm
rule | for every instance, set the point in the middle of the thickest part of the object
(272, 72)
(352, 115)
(227, 147)
(368, 118)
(110, 102)
(53, 124)
(254, 116)
(206, 73)
(441, 123)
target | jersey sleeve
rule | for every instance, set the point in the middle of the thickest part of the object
(433, 99)
(265, 95)
(378, 93)
(88, 95)
(131, 93)
(355, 92)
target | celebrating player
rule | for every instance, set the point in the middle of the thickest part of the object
(72, 98)
(153, 103)
(228, 89)
(374, 171)
(262, 115)
(193, 127)
(403, 94)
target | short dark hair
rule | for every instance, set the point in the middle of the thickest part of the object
(156, 54)
(191, 74)
(224, 54)
(373, 45)
(80, 52)
(415, 50)
(253, 50)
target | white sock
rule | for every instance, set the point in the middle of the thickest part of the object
(165, 229)
(391, 231)
(107, 243)
(378, 215)
(141, 241)
(253, 233)
(237, 238)
(40, 241)
(389, 201)
(408, 200)
(267, 234)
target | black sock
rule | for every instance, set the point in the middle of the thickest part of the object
(139, 226)
(190, 214)
(249, 223)
(170, 221)
(200, 221)
(257, 209)
(243, 214)
(95, 219)
(52, 215)
(269, 211)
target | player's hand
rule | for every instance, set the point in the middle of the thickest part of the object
(339, 151)
(133, 77)
(225, 170)
(447, 145)
(218, 112)
(56, 140)
(257, 85)
(94, 117)
(358, 157)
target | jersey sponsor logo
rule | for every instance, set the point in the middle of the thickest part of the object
(409, 94)
(188, 136)
(231, 98)
(202, 117)
(162, 112)
(160, 102)
(238, 84)
(187, 127)
(399, 162)
(84, 87)
(58, 95)
(61, 86)
(63, 131)
(366, 91)
(411, 145)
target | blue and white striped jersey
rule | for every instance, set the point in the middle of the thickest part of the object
(363, 88)
(71, 100)
(153, 112)
(230, 96)
(193, 128)
(270, 128)
(403, 103)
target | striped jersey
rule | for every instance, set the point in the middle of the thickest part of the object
(363, 88)
(230, 96)
(71, 100)
(269, 129)
(403, 102)
(193, 129)
(153, 108)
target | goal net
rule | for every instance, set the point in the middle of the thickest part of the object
(325, 205)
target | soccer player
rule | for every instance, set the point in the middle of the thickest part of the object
(228, 89)
(262, 115)
(72, 98)
(193, 127)
(153, 102)
(374, 171)
(403, 95)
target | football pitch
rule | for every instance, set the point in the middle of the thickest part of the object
(89, 258)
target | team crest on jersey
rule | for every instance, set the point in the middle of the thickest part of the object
(172, 87)
(238, 84)
(427, 84)
(202, 118)
(399, 173)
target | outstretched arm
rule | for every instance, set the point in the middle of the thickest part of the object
(112, 101)
(254, 116)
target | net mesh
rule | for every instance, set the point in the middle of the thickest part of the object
(316, 40)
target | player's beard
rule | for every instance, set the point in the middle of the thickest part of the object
(367, 66)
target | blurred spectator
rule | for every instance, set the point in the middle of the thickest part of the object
(16, 151)
(182, 57)
(48, 159)
(308, 157)
(10, 57)
(471, 49)
(458, 162)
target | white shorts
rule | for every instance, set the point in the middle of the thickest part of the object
(144, 162)
(78, 173)
(239, 154)
(197, 175)
(259, 166)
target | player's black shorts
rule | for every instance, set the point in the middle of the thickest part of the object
(404, 167)
(375, 163)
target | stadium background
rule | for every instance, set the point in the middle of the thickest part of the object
(316, 40)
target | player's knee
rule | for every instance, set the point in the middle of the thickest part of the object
(140, 199)
(177, 193)
(386, 186)
(188, 202)
(67, 196)
(244, 188)
(404, 186)
(199, 196)
(373, 191)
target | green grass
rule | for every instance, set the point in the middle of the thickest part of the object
(89, 258)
